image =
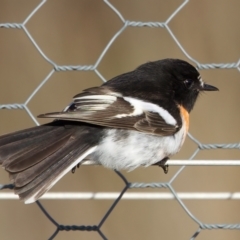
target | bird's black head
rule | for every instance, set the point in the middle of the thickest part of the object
(178, 80)
(186, 82)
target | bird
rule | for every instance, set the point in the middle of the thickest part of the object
(139, 118)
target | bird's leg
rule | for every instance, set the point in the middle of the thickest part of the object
(163, 164)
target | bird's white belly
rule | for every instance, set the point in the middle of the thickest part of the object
(127, 149)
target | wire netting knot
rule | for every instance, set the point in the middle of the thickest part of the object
(219, 226)
(77, 228)
(148, 185)
(217, 65)
(145, 24)
(11, 25)
(12, 106)
(74, 68)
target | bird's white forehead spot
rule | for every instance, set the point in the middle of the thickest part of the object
(200, 80)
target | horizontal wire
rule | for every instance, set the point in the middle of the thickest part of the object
(190, 162)
(130, 196)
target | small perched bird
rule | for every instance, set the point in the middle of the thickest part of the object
(139, 118)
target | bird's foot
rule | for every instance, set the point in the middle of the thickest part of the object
(74, 168)
(163, 164)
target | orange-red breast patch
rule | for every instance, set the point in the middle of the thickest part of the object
(185, 116)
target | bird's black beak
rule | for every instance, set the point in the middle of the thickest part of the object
(207, 87)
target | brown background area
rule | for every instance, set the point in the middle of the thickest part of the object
(75, 33)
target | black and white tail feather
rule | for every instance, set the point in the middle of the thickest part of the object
(38, 157)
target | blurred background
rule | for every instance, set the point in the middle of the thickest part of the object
(75, 32)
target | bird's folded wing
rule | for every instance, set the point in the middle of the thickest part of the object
(100, 106)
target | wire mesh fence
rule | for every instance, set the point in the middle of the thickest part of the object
(173, 194)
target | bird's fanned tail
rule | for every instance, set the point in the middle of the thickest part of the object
(38, 157)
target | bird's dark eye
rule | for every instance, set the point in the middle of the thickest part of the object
(188, 83)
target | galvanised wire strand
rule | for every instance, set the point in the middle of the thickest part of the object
(128, 185)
